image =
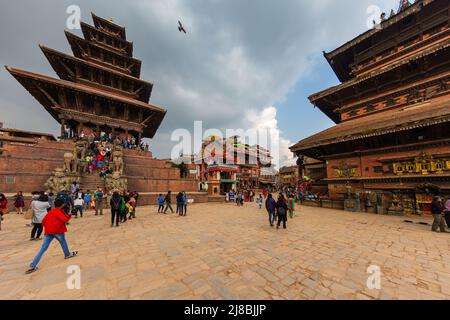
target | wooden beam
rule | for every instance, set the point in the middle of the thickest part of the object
(150, 117)
(49, 97)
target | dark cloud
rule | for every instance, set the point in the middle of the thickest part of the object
(238, 55)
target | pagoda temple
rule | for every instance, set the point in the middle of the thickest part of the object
(99, 93)
(389, 151)
(99, 88)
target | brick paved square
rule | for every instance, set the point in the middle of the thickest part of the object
(220, 251)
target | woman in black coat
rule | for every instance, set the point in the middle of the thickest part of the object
(281, 211)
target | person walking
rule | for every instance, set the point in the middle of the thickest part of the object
(54, 228)
(51, 200)
(259, 201)
(3, 207)
(271, 207)
(447, 212)
(40, 207)
(168, 202)
(160, 203)
(67, 199)
(115, 204)
(185, 203)
(437, 210)
(98, 196)
(282, 208)
(291, 206)
(179, 200)
(19, 202)
(87, 200)
(78, 205)
(123, 208)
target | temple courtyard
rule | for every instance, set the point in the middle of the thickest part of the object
(220, 251)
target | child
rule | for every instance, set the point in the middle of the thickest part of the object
(19, 202)
(259, 201)
(3, 205)
(54, 227)
(129, 209)
(87, 199)
(160, 203)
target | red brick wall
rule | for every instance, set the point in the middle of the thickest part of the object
(27, 167)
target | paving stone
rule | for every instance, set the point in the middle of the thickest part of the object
(225, 252)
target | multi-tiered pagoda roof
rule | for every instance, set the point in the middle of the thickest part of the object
(99, 88)
(393, 76)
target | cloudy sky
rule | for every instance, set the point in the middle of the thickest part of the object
(243, 64)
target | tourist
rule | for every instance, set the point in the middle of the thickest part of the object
(131, 205)
(78, 206)
(98, 196)
(19, 202)
(3, 207)
(437, 209)
(168, 202)
(87, 200)
(51, 200)
(123, 207)
(74, 187)
(68, 201)
(116, 204)
(54, 228)
(270, 207)
(243, 195)
(40, 207)
(136, 198)
(160, 203)
(282, 208)
(447, 212)
(185, 203)
(259, 201)
(291, 206)
(180, 203)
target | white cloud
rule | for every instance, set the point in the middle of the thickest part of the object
(266, 119)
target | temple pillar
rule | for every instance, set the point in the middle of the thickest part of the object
(63, 129)
(80, 128)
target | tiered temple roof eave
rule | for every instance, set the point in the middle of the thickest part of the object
(58, 59)
(76, 44)
(421, 115)
(87, 28)
(33, 83)
(335, 56)
(99, 21)
(433, 50)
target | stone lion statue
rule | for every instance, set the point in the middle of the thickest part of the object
(80, 150)
(69, 163)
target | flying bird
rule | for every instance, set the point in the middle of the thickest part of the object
(180, 27)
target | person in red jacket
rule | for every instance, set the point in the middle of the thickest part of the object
(54, 227)
(3, 205)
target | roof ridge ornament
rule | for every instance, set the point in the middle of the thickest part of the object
(403, 5)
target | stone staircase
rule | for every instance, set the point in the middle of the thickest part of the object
(91, 182)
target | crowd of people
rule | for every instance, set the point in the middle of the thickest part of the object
(129, 142)
(277, 209)
(50, 214)
(165, 203)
